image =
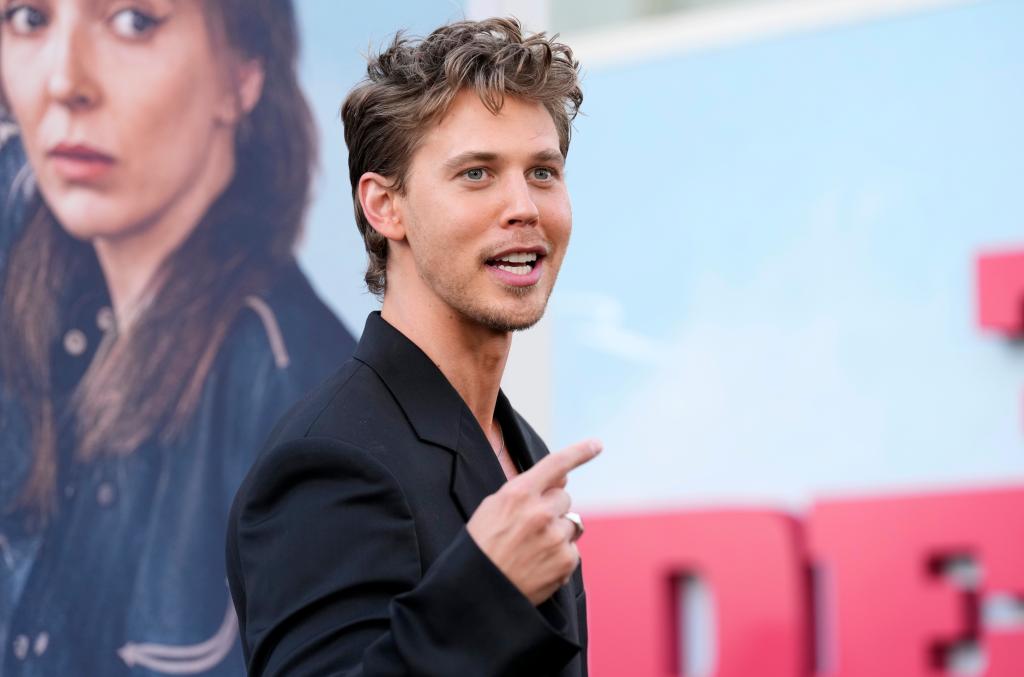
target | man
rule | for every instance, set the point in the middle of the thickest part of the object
(404, 519)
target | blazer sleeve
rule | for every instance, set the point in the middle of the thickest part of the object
(324, 568)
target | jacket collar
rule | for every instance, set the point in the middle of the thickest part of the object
(519, 436)
(432, 405)
(438, 414)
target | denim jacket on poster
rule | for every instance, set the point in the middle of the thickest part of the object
(129, 579)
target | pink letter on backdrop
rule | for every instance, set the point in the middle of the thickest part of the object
(752, 564)
(893, 611)
(1000, 279)
(1001, 292)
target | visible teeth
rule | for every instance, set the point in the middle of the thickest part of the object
(519, 257)
(517, 270)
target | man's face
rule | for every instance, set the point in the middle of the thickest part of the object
(487, 213)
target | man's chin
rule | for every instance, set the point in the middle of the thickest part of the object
(523, 326)
(508, 320)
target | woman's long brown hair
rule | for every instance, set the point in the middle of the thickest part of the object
(150, 381)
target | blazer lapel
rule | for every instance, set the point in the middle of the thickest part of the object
(519, 434)
(477, 473)
(421, 390)
(434, 409)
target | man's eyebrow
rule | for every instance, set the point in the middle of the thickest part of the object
(470, 157)
(549, 156)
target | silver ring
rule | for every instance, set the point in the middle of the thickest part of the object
(577, 522)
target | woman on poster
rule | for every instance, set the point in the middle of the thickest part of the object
(154, 174)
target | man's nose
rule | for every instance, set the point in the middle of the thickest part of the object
(521, 210)
(70, 80)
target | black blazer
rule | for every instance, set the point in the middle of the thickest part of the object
(347, 550)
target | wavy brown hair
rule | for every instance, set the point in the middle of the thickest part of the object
(148, 383)
(413, 82)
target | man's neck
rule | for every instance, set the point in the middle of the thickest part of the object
(472, 357)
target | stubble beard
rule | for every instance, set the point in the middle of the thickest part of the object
(459, 298)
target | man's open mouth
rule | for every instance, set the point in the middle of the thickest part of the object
(517, 263)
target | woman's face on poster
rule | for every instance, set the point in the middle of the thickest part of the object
(127, 109)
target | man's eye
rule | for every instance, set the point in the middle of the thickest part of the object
(476, 174)
(131, 23)
(543, 174)
(24, 19)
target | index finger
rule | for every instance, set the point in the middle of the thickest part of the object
(551, 469)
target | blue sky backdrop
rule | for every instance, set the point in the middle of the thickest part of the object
(769, 294)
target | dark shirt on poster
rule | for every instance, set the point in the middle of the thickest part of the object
(347, 545)
(128, 579)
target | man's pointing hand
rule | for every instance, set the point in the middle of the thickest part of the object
(521, 527)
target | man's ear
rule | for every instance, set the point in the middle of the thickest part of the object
(379, 201)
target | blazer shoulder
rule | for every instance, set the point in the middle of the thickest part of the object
(349, 406)
(300, 420)
(318, 464)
